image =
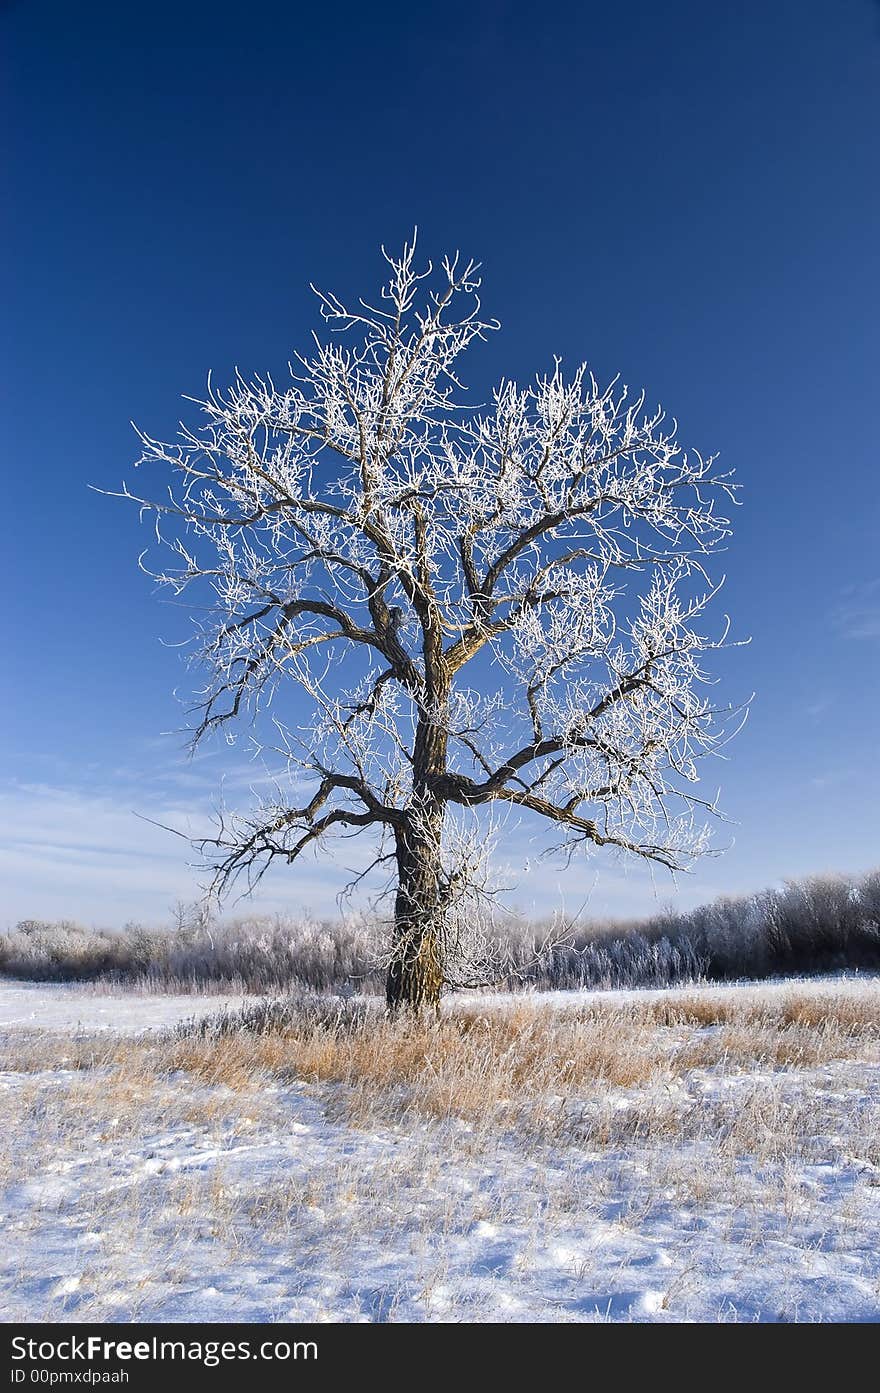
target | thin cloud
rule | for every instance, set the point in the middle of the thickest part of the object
(73, 853)
(815, 709)
(77, 854)
(858, 614)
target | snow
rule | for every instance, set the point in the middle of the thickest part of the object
(765, 989)
(66, 1006)
(196, 1202)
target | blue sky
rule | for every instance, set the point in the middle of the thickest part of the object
(684, 193)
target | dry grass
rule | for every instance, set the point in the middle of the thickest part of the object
(855, 1013)
(488, 1069)
(465, 1066)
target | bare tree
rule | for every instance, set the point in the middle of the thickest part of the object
(483, 606)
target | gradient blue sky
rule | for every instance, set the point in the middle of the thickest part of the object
(686, 193)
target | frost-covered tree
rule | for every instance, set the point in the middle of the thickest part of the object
(483, 607)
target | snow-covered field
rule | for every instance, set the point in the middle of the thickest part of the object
(66, 1006)
(721, 1163)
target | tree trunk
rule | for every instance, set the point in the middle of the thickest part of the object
(415, 973)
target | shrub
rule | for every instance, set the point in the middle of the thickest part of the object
(821, 924)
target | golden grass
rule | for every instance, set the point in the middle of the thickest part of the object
(487, 1068)
(851, 1013)
(465, 1065)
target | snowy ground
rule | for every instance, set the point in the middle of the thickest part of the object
(735, 1191)
(66, 1006)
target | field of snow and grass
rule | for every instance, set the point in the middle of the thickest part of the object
(690, 1154)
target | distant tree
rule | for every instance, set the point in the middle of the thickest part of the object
(484, 607)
